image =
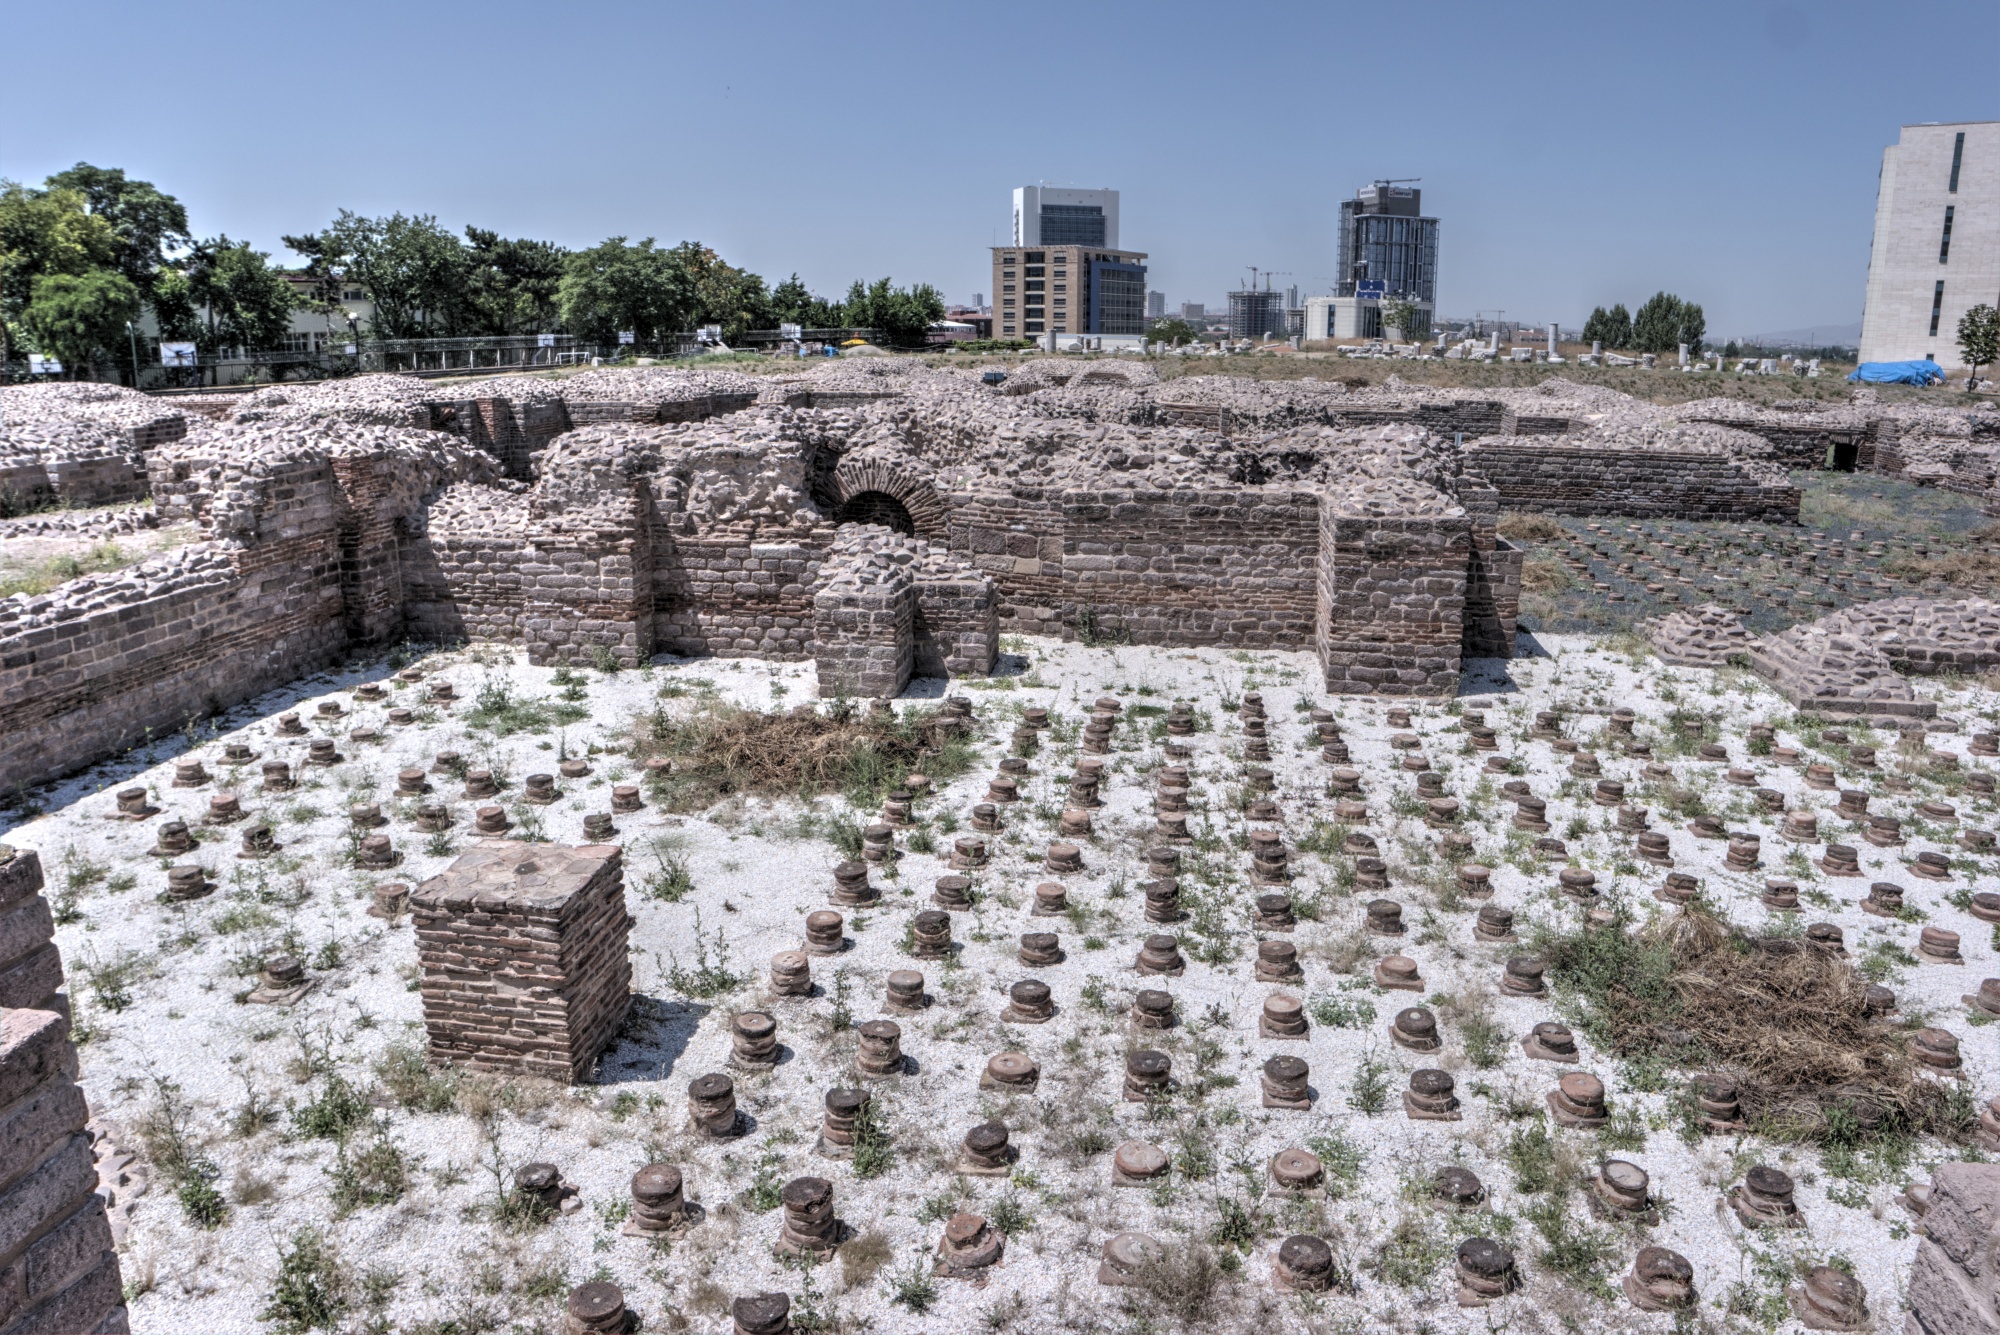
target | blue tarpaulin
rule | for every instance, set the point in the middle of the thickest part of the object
(1899, 373)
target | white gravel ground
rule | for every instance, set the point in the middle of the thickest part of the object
(437, 1261)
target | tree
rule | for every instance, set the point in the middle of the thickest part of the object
(1402, 316)
(791, 303)
(725, 295)
(903, 316)
(1612, 328)
(1172, 332)
(249, 303)
(146, 222)
(78, 316)
(43, 233)
(511, 287)
(1665, 322)
(412, 270)
(615, 286)
(1979, 340)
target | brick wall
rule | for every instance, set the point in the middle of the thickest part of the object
(523, 951)
(1392, 602)
(1586, 481)
(58, 1269)
(864, 633)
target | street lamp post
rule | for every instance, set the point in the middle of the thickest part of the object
(133, 336)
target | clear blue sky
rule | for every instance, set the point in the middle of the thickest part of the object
(1577, 153)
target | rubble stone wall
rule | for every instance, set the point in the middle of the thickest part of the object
(1576, 481)
(523, 951)
(58, 1267)
(1954, 1280)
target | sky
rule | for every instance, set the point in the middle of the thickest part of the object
(1577, 154)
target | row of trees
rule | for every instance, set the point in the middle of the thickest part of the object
(1661, 325)
(83, 255)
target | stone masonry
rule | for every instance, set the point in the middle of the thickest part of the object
(58, 1269)
(1955, 1279)
(524, 960)
(864, 633)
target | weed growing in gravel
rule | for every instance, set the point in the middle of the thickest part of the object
(311, 1289)
(914, 1288)
(1369, 1093)
(711, 975)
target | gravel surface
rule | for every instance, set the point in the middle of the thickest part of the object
(155, 987)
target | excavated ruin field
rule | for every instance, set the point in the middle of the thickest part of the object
(299, 1163)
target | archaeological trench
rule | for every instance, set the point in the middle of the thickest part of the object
(1251, 744)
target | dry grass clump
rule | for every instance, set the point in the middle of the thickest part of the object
(719, 750)
(1970, 567)
(1781, 1017)
(1516, 526)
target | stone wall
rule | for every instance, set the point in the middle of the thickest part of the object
(1955, 1278)
(1392, 596)
(1579, 480)
(58, 1269)
(523, 951)
(102, 664)
(864, 632)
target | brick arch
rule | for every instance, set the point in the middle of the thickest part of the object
(928, 512)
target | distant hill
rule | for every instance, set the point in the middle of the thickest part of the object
(1812, 336)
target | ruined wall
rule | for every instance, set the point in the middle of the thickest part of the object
(1579, 480)
(1954, 1280)
(1210, 567)
(864, 632)
(83, 678)
(731, 594)
(1392, 594)
(58, 1268)
(523, 950)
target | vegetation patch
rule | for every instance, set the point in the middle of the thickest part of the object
(718, 750)
(1783, 1019)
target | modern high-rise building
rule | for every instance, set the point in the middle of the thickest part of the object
(1053, 216)
(1936, 252)
(1257, 313)
(1067, 290)
(1387, 244)
(1064, 274)
(1156, 305)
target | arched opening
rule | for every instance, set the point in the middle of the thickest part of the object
(877, 507)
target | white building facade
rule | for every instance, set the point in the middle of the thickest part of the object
(1936, 251)
(1050, 216)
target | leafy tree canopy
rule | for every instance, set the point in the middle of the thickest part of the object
(249, 302)
(903, 315)
(81, 317)
(512, 286)
(44, 233)
(1174, 332)
(1665, 322)
(616, 286)
(1979, 339)
(413, 270)
(146, 221)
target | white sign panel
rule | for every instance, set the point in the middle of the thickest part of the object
(40, 365)
(545, 340)
(177, 354)
(627, 336)
(791, 332)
